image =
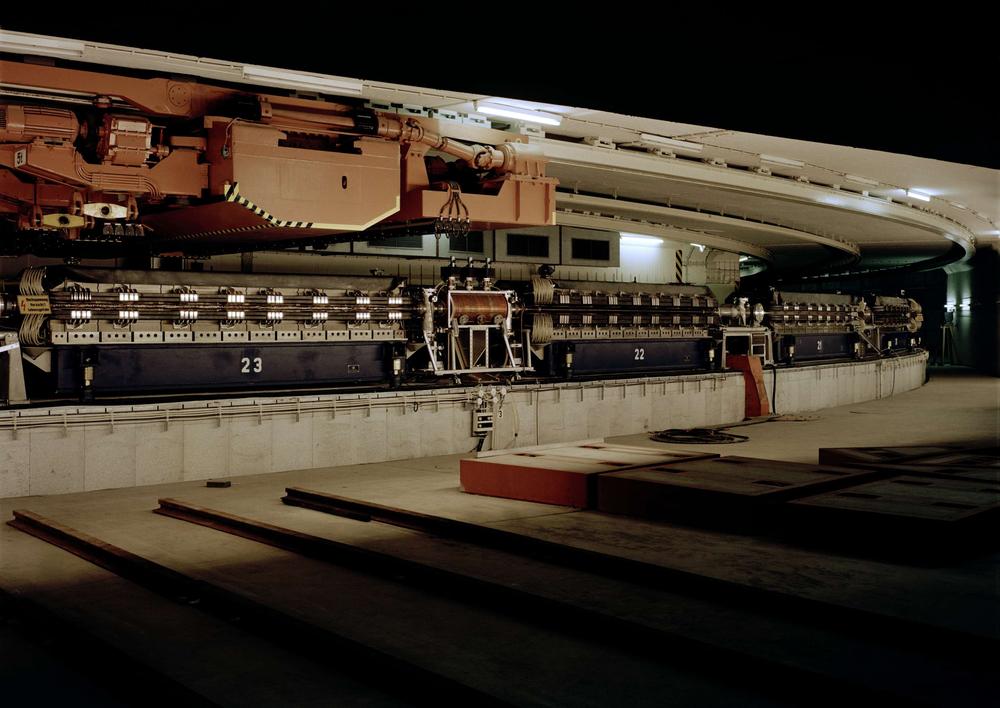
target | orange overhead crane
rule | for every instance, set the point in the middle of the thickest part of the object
(170, 165)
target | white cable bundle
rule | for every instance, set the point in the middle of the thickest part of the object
(541, 328)
(543, 290)
(30, 332)
(31, 281)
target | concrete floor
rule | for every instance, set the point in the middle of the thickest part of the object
(230, 668)
(955, 406)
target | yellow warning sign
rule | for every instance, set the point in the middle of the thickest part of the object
(34, 305)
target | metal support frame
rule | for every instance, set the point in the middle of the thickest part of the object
(747, 333)
(463, 353)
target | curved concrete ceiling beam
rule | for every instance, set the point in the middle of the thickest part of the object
(611, 223)
(664, 214)
(719, 178)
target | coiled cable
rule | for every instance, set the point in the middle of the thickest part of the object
(541, 328)
(542, 289)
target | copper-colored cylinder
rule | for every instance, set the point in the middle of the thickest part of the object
(26, 123)
(478, 307)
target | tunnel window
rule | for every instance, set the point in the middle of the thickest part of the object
(527, 245)
(590, 249)
(471, 242)
(415, 241)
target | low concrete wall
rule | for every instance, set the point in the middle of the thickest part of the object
(812, 388)
(74, 448)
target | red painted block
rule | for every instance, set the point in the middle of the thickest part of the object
(565, 475)
(549, 479)
(753, 379)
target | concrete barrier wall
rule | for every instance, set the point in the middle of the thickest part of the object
(813, 388)
(74, 449)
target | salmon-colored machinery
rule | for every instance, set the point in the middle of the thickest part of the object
(178, 166)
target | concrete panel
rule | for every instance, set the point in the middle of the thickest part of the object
(59, 461)
(619, 404)
(733, 395)
(461, 431)
(250, 446)
(713, 401)
(550, 418)
(56, 461)
(660, 406)
(291, 443)
(373, 436)
(435, 429)
(844, 387)
(597, 412)
(14, 470)
(860, 385)
(335, 440)
(521, 417)
(403, 427)
(206, 449)
(159, 454)
(575, 415)
(695, 405)
(109, 457)
(802, 388)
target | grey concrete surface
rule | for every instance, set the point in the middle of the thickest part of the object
(954, 407)
(48, 451)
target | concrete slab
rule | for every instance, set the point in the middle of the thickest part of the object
(110, 457)
(160, 457)
(14, 471)
(57, 462)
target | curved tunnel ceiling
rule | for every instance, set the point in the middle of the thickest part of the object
(801, 224)
(793, 203)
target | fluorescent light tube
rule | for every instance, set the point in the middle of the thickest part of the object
(781, 161)
(699, 246)
(861, 180)
(917, 195)
(670, 142)
(640, 239)
(306, 82)
(958, 206)
(517, 114)
(19, 43)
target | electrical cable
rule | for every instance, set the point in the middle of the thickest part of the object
(697, 436)
(774, 390)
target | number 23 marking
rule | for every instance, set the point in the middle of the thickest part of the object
(257, 365)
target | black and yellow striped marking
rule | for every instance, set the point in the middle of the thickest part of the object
(232, 194)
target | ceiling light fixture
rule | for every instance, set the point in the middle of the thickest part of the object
(670, 142)
(640, 239)
(699, 246)
(862, 180)
(516, 114)
(19, 43)
(302, 81)
(781, 161)
(917, 195)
